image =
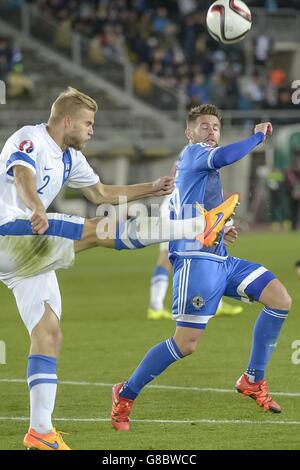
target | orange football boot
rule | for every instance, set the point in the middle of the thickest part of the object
(52, 441)
(216, 219)
(121, 408)
(259, 392)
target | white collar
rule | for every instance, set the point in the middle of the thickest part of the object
(56, 148)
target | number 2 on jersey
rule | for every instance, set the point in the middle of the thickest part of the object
(46, 179)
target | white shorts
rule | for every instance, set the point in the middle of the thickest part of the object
(25, 255)
(33, 293)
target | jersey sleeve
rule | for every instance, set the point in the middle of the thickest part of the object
(201, 157)
(82, 174)
(21, 149)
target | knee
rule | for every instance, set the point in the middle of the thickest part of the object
(276, 296)
(287, 301)
(188, 347)
(53, 339)
(284, 302)
(48, 342)
(56, 339)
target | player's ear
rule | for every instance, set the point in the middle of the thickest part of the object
(67, 120)
(188, 133)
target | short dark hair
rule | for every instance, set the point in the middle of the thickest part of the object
(203, 109)
(297, 264)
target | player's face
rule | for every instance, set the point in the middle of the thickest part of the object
(206, 129)
(79, 129)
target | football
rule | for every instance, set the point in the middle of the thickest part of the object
(228, 21)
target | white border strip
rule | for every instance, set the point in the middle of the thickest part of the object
(159, 387)
(163, 421)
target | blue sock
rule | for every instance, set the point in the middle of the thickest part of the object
(153, 364)
(159, 271)
(45, 365)
(265, 334)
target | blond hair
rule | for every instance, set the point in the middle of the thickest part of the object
(69, 102)
(204, 109)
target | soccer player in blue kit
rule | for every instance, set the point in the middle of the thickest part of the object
(195, 302)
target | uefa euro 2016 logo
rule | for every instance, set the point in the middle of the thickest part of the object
(2, 92)
(2, 353)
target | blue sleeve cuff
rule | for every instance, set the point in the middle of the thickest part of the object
(261, 135)
(19, 158)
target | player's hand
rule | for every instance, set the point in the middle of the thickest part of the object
(265, 127)
(163, 186)
(39, 221)
(230, 234)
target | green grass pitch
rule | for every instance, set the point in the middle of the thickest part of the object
(106, 334)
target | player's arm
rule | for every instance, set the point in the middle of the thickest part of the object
(26, 187)
(229, 154)
(103, 193)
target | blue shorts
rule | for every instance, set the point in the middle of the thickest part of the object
(199, 285)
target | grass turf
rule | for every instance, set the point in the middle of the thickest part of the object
(106, 334)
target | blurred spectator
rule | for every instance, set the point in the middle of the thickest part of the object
(198, 90)
(271, 5)
(142, 83)
(279, 200)
(293, 181)
(186, 7)
(253, 91)
(6, 58)
(284, 99)
(63, 38)
(277, 77)
(19, 85)
(160, 21)
(95, 52)
(262, 49)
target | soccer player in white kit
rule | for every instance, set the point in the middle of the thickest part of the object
(35, 163)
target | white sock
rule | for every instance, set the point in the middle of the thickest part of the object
(42, 383)
(159, 287)
(42, 401)
(145, 231)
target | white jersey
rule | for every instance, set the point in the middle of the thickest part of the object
(32, 147)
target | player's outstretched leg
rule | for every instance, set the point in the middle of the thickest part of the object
(216, 219)
(144, 231)
(265, 335)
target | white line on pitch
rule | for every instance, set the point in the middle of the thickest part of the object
(160, 387)
(160, 421)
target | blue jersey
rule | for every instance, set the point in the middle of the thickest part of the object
(196, 180)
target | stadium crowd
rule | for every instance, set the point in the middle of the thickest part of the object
(11, 70)
(169, 40)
